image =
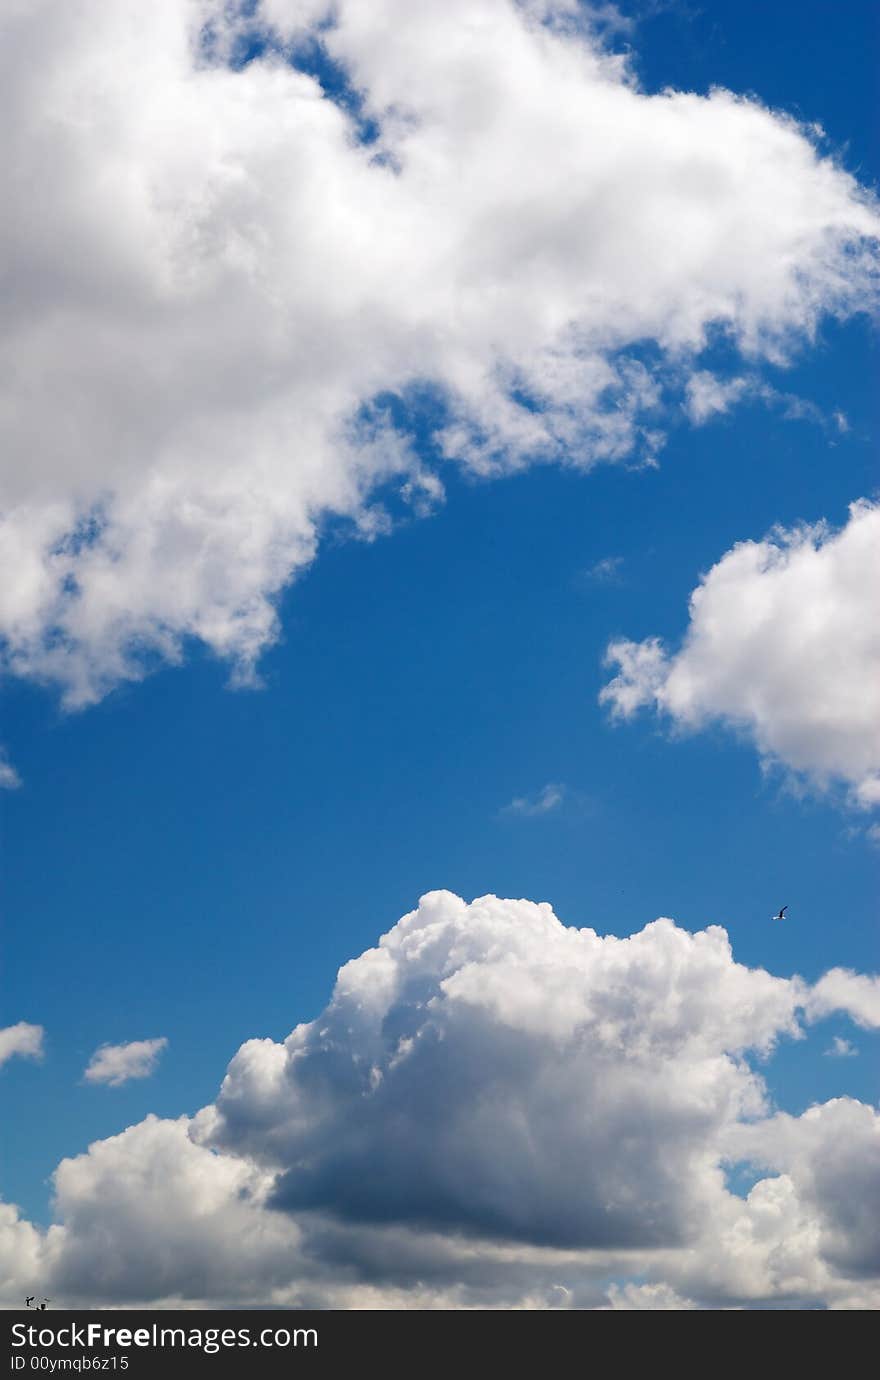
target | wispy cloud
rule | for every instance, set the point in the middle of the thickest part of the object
(607, 571)
(708, 396)
(841, 1049)
(9, 777)
(22, 1039)
(117, 1064)
(550, 798)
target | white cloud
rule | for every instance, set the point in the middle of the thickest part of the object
(548, 798)
(116, 1064)
(784, 644)
(150, 1214)
(213, 282)
(654, 1298)
(494, 1110)
(707, 395)
(831, 1158)
(22, 1039)
(22, 1256)
(841, 1048)
(550, 1009)
(853, 993)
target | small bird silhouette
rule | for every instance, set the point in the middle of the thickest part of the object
(781, 915)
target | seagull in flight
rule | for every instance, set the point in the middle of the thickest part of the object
(781, 915)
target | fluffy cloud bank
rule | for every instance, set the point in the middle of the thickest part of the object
(117, 1064)
(228, 291)
(494, 1110)
(784, 644)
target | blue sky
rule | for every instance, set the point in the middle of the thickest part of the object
(193, 861)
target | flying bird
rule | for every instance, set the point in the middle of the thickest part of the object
(781, 915)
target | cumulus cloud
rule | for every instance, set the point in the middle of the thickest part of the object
(117, 1064)
(549, 1008)
(841, 1048)
(548, 798)
(240, 291)
(494, 1110)
(830, 1157)
(783, 644)
(150, 1214)
(23, 1039)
